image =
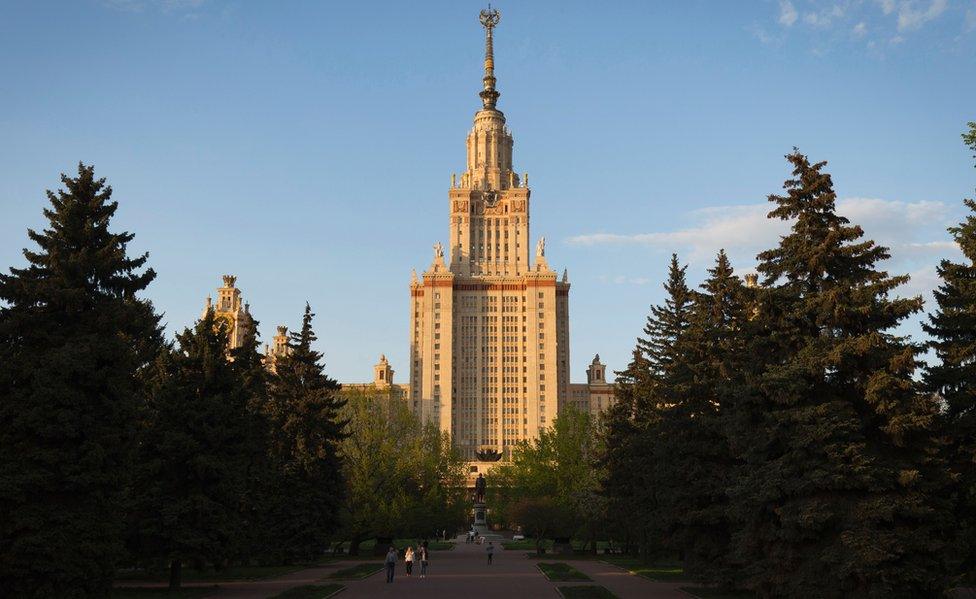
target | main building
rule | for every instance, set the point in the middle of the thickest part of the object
(489, 319)
(489, 333)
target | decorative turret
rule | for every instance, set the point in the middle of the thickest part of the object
(230, 312)
(382, 373)
(597, 372)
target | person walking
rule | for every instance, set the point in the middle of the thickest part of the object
(408, 560)
(391, 558)
(424, 558)
(491, 551)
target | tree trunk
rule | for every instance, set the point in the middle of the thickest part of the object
(354, 546)
(175, 574)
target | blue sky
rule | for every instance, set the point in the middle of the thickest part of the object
(307, 147)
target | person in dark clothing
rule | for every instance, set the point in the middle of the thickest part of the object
(391, 558)
(424, 557)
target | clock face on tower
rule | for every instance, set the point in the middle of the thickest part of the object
(225, 323)
(491, 198)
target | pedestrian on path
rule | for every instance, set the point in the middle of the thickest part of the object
(408, 560)
(391, 557)
(423, 562)
(491, 551)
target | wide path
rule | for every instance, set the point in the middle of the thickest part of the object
(462, 572)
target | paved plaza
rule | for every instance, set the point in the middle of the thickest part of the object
(462, 572)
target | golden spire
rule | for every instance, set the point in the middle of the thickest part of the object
(489, 19)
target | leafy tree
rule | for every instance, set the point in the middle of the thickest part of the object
(838, 494)
(402, 478)
(543, 518)
(692, 453)
(307, 488)
(953, 376)
(560, 465)
(74, 336)
(193, 460)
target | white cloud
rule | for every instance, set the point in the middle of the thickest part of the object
(787, 13)
(727, 227)
(912, 14)
(914, 232)
(860, 29)
(970, 23)
(921, 282)
(824, 17)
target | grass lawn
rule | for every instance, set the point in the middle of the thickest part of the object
(585, 592)
(231, 573)
(311, 591)
(560, 572)
(525, 545)
(707, 593)
(149, 593)
(661, 572)
(357, 572)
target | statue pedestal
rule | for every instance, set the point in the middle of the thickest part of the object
(480, 513)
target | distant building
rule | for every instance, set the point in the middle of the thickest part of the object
(382, 383)
(596, 394)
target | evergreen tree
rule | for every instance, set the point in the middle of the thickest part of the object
(73, 338)
(667, 322)
(259, 470)
(623, 463)
(633, 482)
(693, 452)
(838, 492)
(953, 376)
(194, 454)
(303, 408)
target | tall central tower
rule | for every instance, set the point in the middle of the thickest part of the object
(489, 327)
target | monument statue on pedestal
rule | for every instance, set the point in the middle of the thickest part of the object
(479, 489)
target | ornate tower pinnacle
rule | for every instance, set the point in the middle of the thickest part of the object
(489, 19)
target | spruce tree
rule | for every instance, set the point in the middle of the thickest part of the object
(630, 519)
(194, 454)
(259, 474)
(693, 452)
(304, 406)
(837, 495)
(74, 336)
(634, 480)
(953, 377)
(668, 321)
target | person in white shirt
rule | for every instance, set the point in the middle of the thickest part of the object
(408, 560)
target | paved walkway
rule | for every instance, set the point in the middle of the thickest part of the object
(462, 572)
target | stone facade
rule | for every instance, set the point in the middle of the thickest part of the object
(489, 322)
